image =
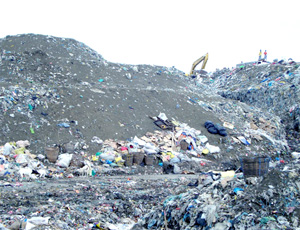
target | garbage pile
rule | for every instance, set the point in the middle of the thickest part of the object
(62, 90)
(124, 209)
(49, 196)
(175, 149)
(90, 144)
(52, 98)
(270, 86)
(84, 203)
(226, 200)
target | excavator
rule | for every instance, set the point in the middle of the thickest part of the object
(204, 58)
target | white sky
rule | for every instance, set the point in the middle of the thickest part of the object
(164, 32)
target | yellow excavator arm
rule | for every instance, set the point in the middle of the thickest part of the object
(204, 59)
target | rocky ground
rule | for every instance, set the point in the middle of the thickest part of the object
(59, 92)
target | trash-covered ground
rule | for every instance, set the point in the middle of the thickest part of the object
(271, 86)
(90, 144)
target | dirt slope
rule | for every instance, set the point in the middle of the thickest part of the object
(48, 83)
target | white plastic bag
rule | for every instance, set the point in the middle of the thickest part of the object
(7, 149)
(177, 169)
(132, 147)
(23, 144)
(183, 157)
(107, 156)
(212, 148)
(295, 155)
(64, 160)
(22, 158)
(139, 141)
(25, 172)
(150, 148)
(162, 116)
(97, 140)
(33, 222)
(149, 151)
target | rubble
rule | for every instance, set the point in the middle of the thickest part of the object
(90, 144)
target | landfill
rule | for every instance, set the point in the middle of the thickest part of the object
(90, 144)
(271, 86)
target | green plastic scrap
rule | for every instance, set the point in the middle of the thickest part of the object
(20, 150)
(266, 219)
(32, 130)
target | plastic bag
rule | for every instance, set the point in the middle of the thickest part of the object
(295, 155)
(203, 139)
(22, 158)
(97, 140)
(34, 221)
(176, 169)
(174, 160)
(150, 148)
(162, 116)
(132, 147)
(7, 149)
(183, 157)
(21, 144)
(20, 150)
(212, 148)
(107, 156)
(64, 160)
(139, 141)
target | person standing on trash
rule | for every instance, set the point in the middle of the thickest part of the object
(265, 57)
(259, 55)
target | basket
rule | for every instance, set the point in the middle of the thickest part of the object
(138, 158)
(255, 166)
(128, 158)
(149, 159)
(52, 153)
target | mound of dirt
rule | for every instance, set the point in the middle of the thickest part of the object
(56, 90)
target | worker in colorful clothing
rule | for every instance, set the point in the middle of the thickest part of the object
(265, 57)
(259, 55)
